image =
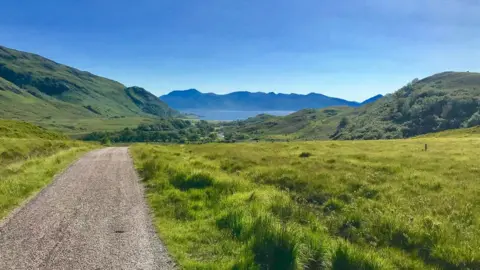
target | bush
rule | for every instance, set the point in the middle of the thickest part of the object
(474, 120)
(106, 141)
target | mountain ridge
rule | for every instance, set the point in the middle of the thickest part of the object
(245, 100)
(34, 88)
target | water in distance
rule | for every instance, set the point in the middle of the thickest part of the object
(222, 115)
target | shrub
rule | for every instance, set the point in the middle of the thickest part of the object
(106, 141)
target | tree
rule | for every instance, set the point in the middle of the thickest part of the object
(213, 136)
(474, 120)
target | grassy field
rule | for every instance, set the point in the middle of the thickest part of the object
(317, 205)
(30, 161)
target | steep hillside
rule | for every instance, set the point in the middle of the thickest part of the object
(443, 101)
(33, 88)
(304, 124)
(245, 101)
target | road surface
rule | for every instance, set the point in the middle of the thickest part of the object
(93, 216)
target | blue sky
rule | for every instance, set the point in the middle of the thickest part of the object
(351, 49)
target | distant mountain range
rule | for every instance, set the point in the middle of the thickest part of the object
(248, 101)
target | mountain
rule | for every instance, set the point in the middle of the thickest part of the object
(36, 89)
(247, 101)
(444, 101)
(304, 124)
(448, 100)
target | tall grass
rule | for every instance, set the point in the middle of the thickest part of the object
(28, 165)
(348, 205)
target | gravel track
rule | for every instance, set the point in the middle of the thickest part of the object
(93, 216)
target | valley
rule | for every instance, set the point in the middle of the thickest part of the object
(386, 184)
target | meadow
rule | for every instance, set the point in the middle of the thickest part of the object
(317, 205)
(29, 162)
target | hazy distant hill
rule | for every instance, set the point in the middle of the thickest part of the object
(193, 99)
(443, 101)
(34, 88)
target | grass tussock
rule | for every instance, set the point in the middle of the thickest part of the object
(349, 205)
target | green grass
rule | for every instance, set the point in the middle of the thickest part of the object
(344, 205)
(30, 156)
(16, 129)
(38, 90)
(454, 133)
(444, 101)
(304, 124)
(28, 165)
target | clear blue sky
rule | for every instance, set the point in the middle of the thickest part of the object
(351, 49)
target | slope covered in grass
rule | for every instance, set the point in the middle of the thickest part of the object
(17, 129)
(454, 133)
(304, 124)
(317, 205)
(37, 89)
(30, 156)
(448, 100)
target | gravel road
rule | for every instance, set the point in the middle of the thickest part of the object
(93, 216)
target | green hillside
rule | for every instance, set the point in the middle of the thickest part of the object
(448, 100)
(304, 124)
(22, 130)
(444, 101)
(454, 133)
(36, 89)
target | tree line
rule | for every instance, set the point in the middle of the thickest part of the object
(164, 130)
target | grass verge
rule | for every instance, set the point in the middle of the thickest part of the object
(28, 165)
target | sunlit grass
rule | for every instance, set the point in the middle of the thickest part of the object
(345, 205)
(28, 165)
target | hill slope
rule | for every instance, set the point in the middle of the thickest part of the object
(443, 101)
(22, 130)
(247, 101)
(304, 124)
(33, 87)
